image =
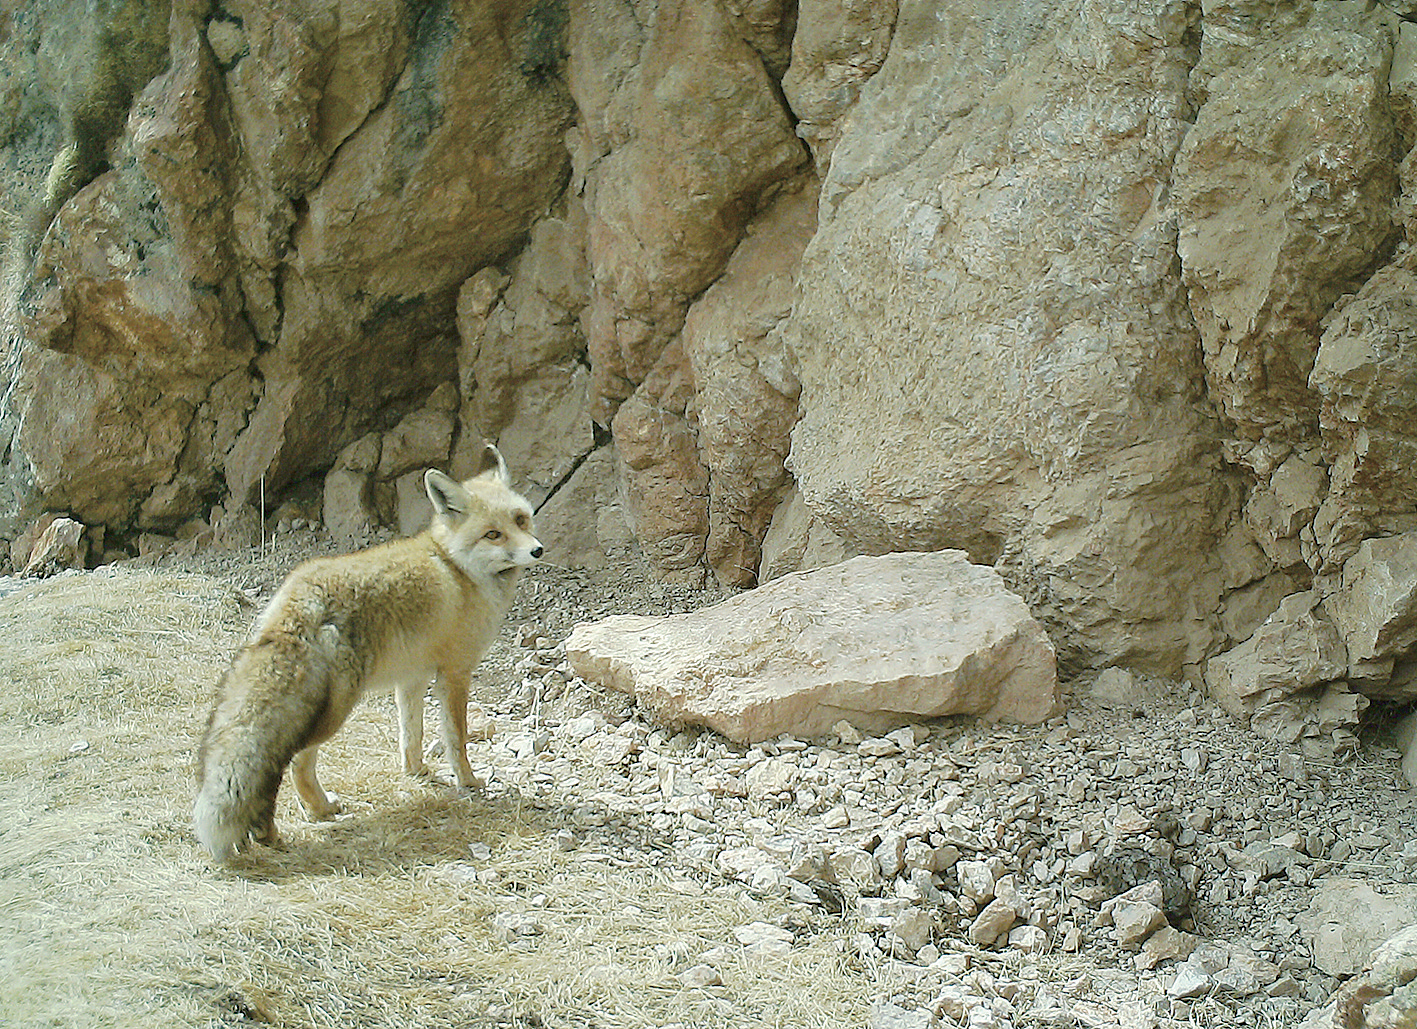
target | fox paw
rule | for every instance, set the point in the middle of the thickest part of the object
(469, 784)
(327, 811)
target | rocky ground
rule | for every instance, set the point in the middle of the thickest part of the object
(967, 868)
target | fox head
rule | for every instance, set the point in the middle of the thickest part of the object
(483, 525)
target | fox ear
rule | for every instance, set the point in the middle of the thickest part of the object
(490, 465)
(445, 493)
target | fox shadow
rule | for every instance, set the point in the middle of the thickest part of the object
(435, 826)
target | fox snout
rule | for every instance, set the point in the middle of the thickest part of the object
(519, 549)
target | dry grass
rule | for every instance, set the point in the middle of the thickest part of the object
(110, 916)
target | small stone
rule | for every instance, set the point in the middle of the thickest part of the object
(1030, 939)
(994, 921)
(855, 865)
(700, 977)
(1133, 922)
(1195, 759)
(881, 911)
(1165, 944)
(847, 733)
(1190, 981)
(890, 855)
(878, 747)
(764, 939)
(885, 1015)
(976, 880)
(914, 927)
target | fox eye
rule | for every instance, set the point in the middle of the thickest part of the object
(493, 534)
(522, 521)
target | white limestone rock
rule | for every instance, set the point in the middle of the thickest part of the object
(880, 641)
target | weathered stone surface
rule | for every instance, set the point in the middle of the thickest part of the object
(877, 641)
(61, 545)
(412, 511)
(348, 505)
(1282, 505)
(399, 219)
(583, 525)
(681, 130)
(522, 355)
(664, 483)
(1296, 648)
(1366, 377)
(132, 293)
(797, 541)
(839, 44)
(1348, 919)
(1284, 190)
(273, 229)
(1376, 605)
(744, 384)
(420, 440)
(1384, 995)
(1004, 415)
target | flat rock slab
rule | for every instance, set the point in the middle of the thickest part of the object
(878, 641)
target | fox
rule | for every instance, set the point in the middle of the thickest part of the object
(394, 616)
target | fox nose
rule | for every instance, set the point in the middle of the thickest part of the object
(536, 551)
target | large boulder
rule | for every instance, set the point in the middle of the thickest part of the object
(1285, 189)
(1347, 919)
(878, 641)
(1365, 376)
(681, 131)
(993, 344)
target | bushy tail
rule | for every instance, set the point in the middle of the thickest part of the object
(266, 709)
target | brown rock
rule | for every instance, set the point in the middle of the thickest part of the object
(583, 525)
(61, 545)
(1383, 995)
(348, 511)
(1002, 415)
(1375, 605)
(522, 356)
(1365, 374)
(420, 440)
(1273, 228)
(838, 45)
(744, 384)
(1296, 648)
(398, 220)
(664, 485)
(681, 131)
(1347, 919)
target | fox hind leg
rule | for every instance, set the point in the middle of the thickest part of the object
(319, 805)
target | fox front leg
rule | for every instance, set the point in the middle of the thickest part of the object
(451, 691)
(409, 698)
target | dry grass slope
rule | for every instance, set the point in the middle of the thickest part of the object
(110, 915)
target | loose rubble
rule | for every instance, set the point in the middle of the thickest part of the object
(1149, 864)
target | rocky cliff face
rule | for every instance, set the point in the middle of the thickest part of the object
(1114, 296)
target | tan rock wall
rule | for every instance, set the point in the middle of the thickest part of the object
(1111, 294)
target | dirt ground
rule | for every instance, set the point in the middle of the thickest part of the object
(420, 906)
